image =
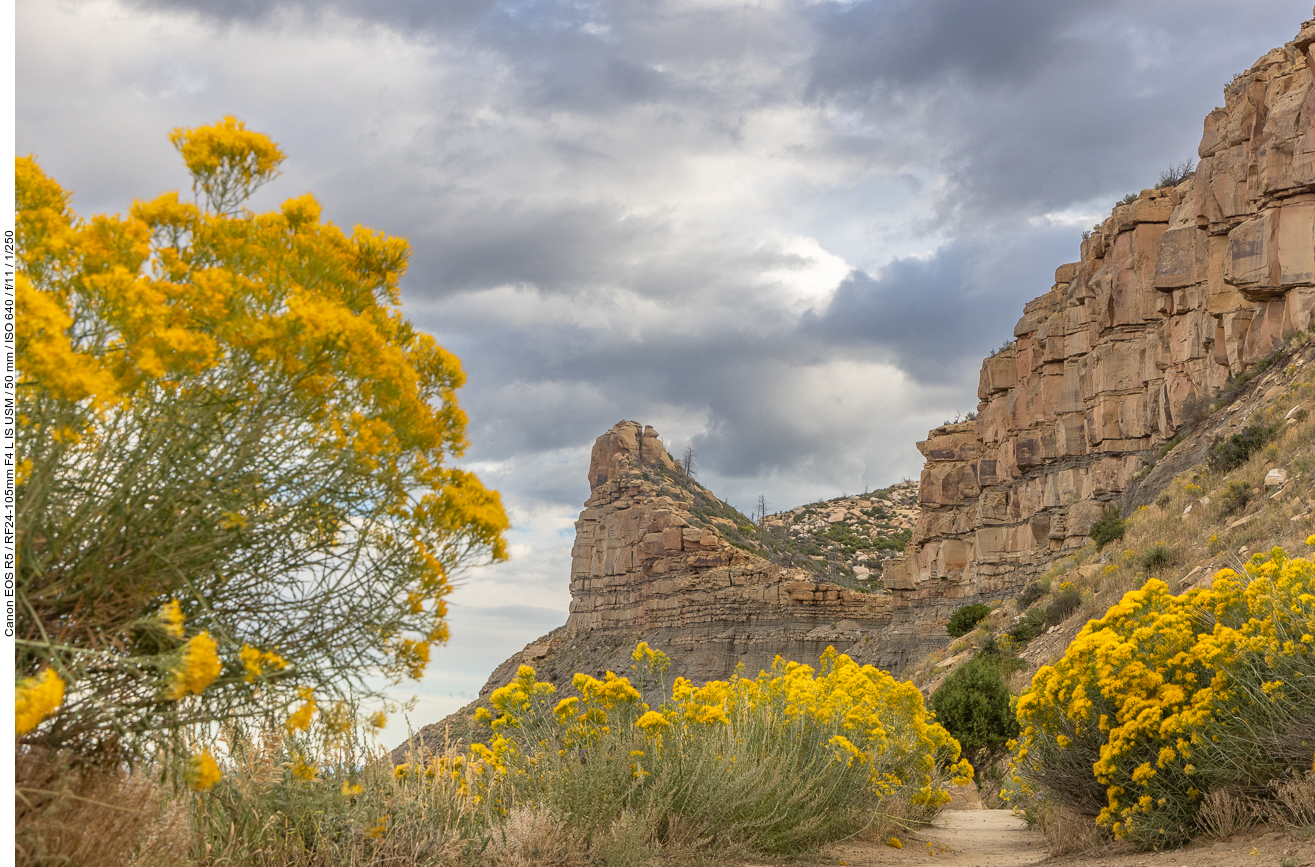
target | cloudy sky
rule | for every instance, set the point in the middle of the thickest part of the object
(783, 231)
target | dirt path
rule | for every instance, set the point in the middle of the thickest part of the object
(959, 838)
(995, 838)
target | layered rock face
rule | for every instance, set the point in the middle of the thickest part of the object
(1175, 293)
(646, 565)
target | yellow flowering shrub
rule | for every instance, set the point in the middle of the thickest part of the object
(795, 756)
(1167, 698)
(227, 429)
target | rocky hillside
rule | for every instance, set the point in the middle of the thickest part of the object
(1181, 291)
(1240, 480)
(850, 537)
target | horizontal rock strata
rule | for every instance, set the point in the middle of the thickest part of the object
(1175, 293)
(644, 567)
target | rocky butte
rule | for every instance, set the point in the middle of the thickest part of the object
(659, 558)
(1180, 289)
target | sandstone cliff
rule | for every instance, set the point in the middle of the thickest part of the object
(1174, 293)
(652, 562)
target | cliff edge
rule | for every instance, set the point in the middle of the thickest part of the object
(1176, 292)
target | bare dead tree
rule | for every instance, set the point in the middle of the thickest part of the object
(688, 461)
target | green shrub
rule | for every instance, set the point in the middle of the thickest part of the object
(1156, 557)
(1031, 595)
(963, 620)
(1238, 449)
(1029, 626)
(1066, 601)
(1234, 497)
(1110, 527)
(973, 706)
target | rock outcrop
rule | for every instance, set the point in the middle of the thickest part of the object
(1175, 293)
(651, 563)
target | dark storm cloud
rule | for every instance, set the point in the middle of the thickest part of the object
(917, 44)
(591, 58)
(937, 317)
(1039, 103)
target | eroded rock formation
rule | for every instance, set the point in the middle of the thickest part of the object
(1175, 293)
(659, 558)
(651, 562)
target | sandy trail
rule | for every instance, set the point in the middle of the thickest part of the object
(959, 838)
(996, 838)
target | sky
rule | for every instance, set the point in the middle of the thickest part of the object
(784, 232)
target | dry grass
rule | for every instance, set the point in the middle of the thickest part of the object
(1293, 802)
(892, 818)
(534, 836)
(1224, 813)
(94, 817)
(1069, 832)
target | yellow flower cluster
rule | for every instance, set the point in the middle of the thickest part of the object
(37, 698)
(202, 771)
(257, 662)
(300, 719)
(304, 770)
(227, 160)
(652, 722)
(515, 700)
(1169, 697)
(200, 666)
(171, 615)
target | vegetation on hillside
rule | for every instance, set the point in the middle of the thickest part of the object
(843, 540)
(1167, 700)
(1183, 705)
